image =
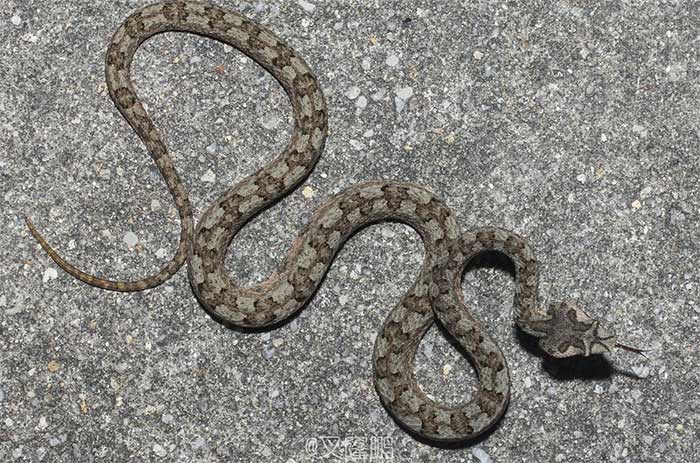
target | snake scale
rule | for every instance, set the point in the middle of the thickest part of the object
(563, 329)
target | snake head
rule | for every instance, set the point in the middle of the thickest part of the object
(566, 330)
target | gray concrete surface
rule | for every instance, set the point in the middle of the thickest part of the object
(573, 123)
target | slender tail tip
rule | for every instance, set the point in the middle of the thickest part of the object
(30, 226)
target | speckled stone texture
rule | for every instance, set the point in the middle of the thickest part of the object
(576, 124)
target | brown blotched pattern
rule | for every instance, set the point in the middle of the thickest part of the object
(564, 329)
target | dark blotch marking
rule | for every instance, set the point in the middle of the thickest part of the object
(125, 97)
(175, 11)
(134, 26)
(115, 57)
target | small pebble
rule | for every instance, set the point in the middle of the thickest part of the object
(361, 102)
(198, 443)
(640, 130)
(159, 450)
(446, 369)
(399, 103)
(404, 93)
(209, 176)
(53, 366)
(636, 204)
(277, 342)
(353, 92)
(378, 95)
(428, 349)
(49, 274)
(307, 192)
(16, 20)
(581, 178)
(641, 371)
(31, 38)
(677, 71)
(392, 60)
(481, 455)
(167, 418)
(211, 149)
(270, 122)
(308, 7)
(677, 217)
(131, 239)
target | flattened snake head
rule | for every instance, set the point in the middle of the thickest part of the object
(567, 330)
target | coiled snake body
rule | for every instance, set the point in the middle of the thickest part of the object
(563, 329)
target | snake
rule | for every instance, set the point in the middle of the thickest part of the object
(563, 329)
